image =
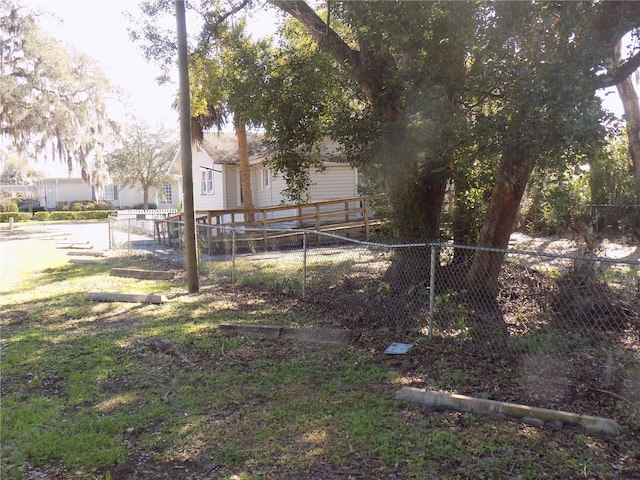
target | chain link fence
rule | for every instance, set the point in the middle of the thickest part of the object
(135, 231)
(573, 315)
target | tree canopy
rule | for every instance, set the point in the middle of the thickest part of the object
(16, 171)
(424, 95)
(143, 158)
(52, 98)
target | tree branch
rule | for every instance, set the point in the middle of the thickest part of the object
(321, 32)
(618, 74)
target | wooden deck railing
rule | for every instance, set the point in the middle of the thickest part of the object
(352, 215)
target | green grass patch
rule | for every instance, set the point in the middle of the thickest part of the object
(98, 390)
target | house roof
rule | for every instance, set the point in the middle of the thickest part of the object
(222, 148)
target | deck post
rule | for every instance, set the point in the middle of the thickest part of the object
(264, 230)
(366, 217)
(318, 224)
(209, 232)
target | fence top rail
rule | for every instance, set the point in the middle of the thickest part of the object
(613, 205)
(340, 201)
(508, 251)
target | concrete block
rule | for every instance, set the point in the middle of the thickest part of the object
(334, 336)
(126, 297)
(530, 415)
(142, 274)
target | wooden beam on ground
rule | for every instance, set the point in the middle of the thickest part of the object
(531, 415)
(269, 331)
(142, 274)
(83, 246)
(86, 253)
(333, 336)
(126, 297)
(87, 261)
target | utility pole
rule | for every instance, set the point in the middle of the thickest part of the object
(190, 249)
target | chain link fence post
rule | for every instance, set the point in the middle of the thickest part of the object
(129, 236)
(432, 289)
(110, 237)
(233, 256)
(304, 265)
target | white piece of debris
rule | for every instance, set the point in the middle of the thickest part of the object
(397, 348)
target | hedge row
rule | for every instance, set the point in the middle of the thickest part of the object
(57, 215)
(17, 216)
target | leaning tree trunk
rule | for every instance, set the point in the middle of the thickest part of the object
(631, 105)
(498, 225)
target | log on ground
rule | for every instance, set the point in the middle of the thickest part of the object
(83, 246)
(87, 261)
(126, 297)
(142, 274)
(531, 415)
(334, 336)
(85, 253)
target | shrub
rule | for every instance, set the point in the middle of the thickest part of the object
(62, 215)
(17, 216)
(8, 205)
(41, 216)
(81, 215)
(102, 205)
(83, 205)
(140, 206)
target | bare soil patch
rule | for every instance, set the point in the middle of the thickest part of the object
(222, 445)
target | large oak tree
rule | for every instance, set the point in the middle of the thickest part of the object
(52, 98)
(433, 92)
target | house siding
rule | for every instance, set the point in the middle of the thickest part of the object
(266, 197)
(232, 186)
(337, 181)
(56, 190)
(129, 197)
(202, 201)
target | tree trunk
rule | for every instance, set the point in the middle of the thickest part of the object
(411, 266)
(631, 105)
(145, 198)
(243, 157)
(417, 211)
(498, 225)
(463, 222)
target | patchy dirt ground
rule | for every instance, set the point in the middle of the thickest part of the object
(540, 379)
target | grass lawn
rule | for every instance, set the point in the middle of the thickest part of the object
(132, 391)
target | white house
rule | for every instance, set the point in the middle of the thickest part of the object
(54, 191)
(216, 175)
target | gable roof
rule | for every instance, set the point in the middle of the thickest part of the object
(222, 148)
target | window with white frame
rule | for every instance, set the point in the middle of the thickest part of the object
(266, 179)
(206, 176)
(167, 193)
(109, 192)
